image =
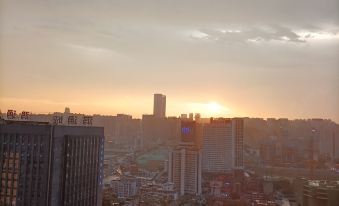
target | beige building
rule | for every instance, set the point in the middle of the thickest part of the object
(185, 169)
(222, 145)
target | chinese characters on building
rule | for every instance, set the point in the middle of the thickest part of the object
(72, 120)
(87, 120)
(56, 119)
(11, 115)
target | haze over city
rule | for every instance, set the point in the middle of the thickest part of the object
(169, 102)
(220, 58)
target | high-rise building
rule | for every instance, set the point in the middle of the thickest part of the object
(238, 137)
(50, 165)
(190, 116)
(222, 145)
(184, 168)
(160, 129)
(159, 107)
(188, 131)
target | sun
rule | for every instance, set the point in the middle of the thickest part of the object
(208, 109)
(214, 108)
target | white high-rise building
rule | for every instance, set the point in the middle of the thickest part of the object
(159, 107)
(222, 145)
(185, 169)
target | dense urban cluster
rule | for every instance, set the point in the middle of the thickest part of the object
(76, 159)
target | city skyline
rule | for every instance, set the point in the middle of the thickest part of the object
(169, 102)
(270, 59)
(211, 110)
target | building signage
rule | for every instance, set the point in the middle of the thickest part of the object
(60, 119)
(12, 115)
(73, 120)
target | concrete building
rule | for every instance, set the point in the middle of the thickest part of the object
(122, 128)
(316, 192)
(124, 187)
(50, 165)
(160, 129)
(184, 168)
(222, 145)
(159, 107)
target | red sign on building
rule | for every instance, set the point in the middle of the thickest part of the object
(11, 114)
(24, 115)
(57, 120)
(87, 120)
(72, 119)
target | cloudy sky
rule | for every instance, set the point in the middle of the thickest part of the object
(257, 58)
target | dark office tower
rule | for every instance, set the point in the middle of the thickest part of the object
(238, 134)
(159, 107)
(49, 165)
(24, 163)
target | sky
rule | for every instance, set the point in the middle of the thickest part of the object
(255, 58)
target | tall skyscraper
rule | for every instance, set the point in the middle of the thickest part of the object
(222, 145)
(238, 137)
(184, 168)
(159, 107)
(50, 165)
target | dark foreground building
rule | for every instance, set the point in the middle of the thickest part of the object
(50, 165)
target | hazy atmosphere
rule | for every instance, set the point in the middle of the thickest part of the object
(220, 58)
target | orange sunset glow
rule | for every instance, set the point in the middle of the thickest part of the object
(169, 102)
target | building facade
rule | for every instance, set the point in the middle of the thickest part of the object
(125, 187)
(238, 138)
(159, 107)
(316, 192)
(184, 168)
(44, 164)
(222, 145)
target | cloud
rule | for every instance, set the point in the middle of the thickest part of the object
(200, 46)
(97, 51)
(272, 33)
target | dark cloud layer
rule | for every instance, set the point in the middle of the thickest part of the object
(305, 13)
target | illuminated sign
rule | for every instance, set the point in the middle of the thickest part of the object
(188, 131)
(185, 130)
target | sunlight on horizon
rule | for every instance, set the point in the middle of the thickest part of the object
(209, 109)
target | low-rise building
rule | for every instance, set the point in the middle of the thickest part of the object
(317, 192)
(124, 187)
